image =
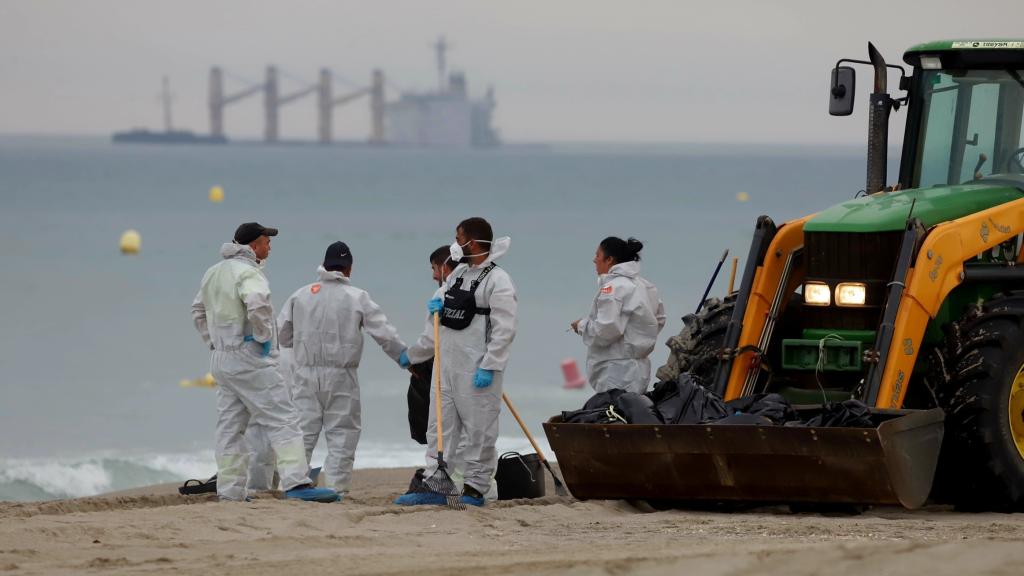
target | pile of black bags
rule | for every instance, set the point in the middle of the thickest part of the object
(685, 400)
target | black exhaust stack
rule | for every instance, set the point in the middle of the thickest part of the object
(878, 125)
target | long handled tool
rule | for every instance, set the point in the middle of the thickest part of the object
(440, 481)
(732, 275)
(559, 487)
(712, 282)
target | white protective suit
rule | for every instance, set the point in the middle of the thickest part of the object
(234, 302)
(483, 344)
(323, 324)
(621, 330)
(262, 467)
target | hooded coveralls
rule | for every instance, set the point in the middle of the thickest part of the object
(234, 302)
(621, 330)
(323, 323)
(261, 455)
(483, 344)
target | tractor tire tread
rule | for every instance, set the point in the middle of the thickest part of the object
(980, 467)
(695, 349)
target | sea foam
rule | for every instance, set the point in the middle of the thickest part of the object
(27, 479)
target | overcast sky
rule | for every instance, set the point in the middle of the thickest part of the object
(563, 70)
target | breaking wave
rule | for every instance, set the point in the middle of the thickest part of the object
(28, 479)
(72, 477)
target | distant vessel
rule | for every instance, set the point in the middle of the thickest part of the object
(169, 135)
(445, 118)
(143, 136)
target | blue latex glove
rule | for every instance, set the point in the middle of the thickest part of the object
(403, 359)
(266, 345)
(435, 305)
(483, 378)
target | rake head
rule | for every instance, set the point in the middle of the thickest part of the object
(559, 486)
(441, 483)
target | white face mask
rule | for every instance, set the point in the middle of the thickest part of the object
(456, 253)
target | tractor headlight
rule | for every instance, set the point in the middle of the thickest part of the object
(931, 63)
(817, 294)
(851, 294)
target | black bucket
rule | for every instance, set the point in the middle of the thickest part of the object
(519, 476)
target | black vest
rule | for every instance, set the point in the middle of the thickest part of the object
(460, 305)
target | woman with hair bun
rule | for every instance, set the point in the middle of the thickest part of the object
(623, 325)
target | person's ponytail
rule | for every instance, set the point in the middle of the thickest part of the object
(622, 250)
(633, 248)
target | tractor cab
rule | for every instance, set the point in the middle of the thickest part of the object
(965, 110)
(966, 116)
(965, 126)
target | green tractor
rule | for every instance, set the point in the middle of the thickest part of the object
(909, 298)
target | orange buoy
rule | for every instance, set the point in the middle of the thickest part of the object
(571, 373)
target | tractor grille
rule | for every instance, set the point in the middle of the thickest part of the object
(851, 256)
(835, 257)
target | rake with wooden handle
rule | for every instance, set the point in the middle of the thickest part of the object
(440, 481)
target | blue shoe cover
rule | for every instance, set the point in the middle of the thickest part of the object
(313, 494)
(421, 498)
(471, 501)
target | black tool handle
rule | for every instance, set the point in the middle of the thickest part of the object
(712, 282)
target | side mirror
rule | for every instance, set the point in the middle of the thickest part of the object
(841, 91)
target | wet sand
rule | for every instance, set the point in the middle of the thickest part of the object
(154, 530)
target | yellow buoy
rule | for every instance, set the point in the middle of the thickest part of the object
(131, 242)
(742, 196)
(216, 194)
(203, 382)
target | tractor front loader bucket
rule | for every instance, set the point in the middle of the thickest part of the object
(890, 464)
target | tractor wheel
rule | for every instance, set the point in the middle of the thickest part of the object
(983, 453)
(695, 349)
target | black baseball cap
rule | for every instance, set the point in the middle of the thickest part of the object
(338, 255)
(250, 231)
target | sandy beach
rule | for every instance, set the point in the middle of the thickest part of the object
(154, 530)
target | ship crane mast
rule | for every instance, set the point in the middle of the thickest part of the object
(165, 98)
(440, 49)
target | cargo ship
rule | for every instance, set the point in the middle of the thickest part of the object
(169, 134)
(143, 136)
(445, 118)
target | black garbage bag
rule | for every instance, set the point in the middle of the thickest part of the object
(592, 416)
(637, 409)
(850, 413)
(602, 399)
(684, 400)
(418, 399)
(595, 410)
(615, 407)
(744, 419)
(772, 406)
